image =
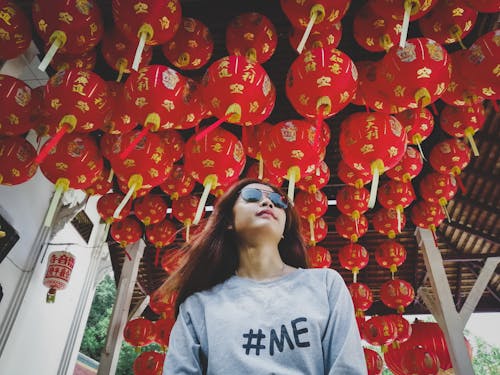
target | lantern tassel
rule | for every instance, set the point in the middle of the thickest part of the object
(127, 254)
(406, 23)
(293, 175)
(311, 219)
(469, 133)
(51, 143)
(210, 180)
(421, 151)
(307, 32)
(261, 166)
(134, 143)
(139, 50)
(132, 189)
(374, 187)
(62, 185)
(209, 128)
(58, 40)
(398, 212)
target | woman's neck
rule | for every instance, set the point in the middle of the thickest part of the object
(260, 263)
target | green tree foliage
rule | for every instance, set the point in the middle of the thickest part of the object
(486, 359)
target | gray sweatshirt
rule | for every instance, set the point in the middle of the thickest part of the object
(301, 323)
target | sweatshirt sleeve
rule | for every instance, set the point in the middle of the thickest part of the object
(342, 349)
(184, 350)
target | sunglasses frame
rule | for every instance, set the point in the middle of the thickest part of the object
(280, 201)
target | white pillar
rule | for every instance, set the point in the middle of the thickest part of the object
(111, 351)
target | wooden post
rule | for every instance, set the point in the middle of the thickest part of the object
(111, 351)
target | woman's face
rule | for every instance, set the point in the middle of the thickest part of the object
(255, 213)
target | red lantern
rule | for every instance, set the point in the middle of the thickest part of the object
(173, 142)
(418, 124)
(352, 201)
(126, 232)
(120, 120)
(139, 332)
(450, 157)
(438, 188)
(315, 180)
(397, 195)
(191, 47)
(403, 327)
(351, 229)
(70, 27)
(162, 329)
(390, 254)
(353, 257)
(59, 267)
(320, 230)
(195, 109)
(446, 25)
(16, 31)
(463, 122)
(380, 331)
(149, 363)
(397, 294)
(18, 160)
(184, 209)
(420, 361)
(374, 363)
(427, 215)
(319, 257)
(150, 209)
(84, 61)
(115, 49)
(102, 184)
(149, 22)
(160, 235)
(372, 142)
(251, 35)
(362, 297)
(179, 184)
(484, 6)
(389, 222)
(172, 260)
(409, 166)
(161, 304)
(311, 206)
(107, 204)
(352, 177)
(16, 106)
(267, 177)
(326, 38)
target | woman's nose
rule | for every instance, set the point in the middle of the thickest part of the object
(266, 201)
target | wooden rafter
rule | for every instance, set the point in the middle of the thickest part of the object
(474, 232)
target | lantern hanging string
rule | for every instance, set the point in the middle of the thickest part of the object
(58, 40)
(140, 48)
(307, 32)
(211, 127)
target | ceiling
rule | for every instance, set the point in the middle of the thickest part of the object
(465, 241)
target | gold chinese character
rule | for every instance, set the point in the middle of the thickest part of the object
(141, 102)
(141, 8)
(324, 81)
(55, 103)
(65, 17)
(457, 12)
(168, 105)
(335, 68)
(254, 106)
(82, 106)
(13, 119)
(217, 147)
(4, 34)
(297, 154)
(207, 163)
(61, 166)
(424, 73)
(236, 88)
(93, 28)
(42, 25)
(365, 149)
(164, 23)
(129, 163)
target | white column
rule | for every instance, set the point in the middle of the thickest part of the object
(111, 351)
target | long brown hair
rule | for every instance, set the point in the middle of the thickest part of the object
(211, 257)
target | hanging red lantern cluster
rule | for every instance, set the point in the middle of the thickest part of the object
(438, 188)
(59, 267)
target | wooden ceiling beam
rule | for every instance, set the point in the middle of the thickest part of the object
(475, 232)
(484, 207)
(475, 269)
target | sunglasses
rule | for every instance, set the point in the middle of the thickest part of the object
(256, 195)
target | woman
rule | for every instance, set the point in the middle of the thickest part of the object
(248, 305)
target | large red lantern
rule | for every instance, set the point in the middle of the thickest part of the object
(438, 188)
(139, 332)
(390, 254)
(149, 363)
(251, 35)
(397, 294)
(71, 26)
(16, 106)
(351, 229)
(353, 257)
(374, 363)
(149, 22)
(372, 142)
(352, 177)
(352, 201)
(191, 47)
(150, 209)
(389, 221)
(408, 167)
(362, 297)
(59, 267)
(463, 122)
(319, 257)
(179, 184)
(320, 230)
(380, 331)
(18, 160)
(15, 37)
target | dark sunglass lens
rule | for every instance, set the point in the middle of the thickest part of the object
(278, 200)
(251, 195)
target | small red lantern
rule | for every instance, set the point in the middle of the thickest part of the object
(126, 231)
(163, 304)
(16, 106)
(149, 363)
(107, 204)
(184, 209)
(160, 235)
(389, 222)
(390, 254)
(397, 195)
(172, 260)
(427, 215)
(418, 124)
(139, 332)
(251, 35)
(438, 188)
(353, 257)
(16, 35)
(18, 160)
(315, 180)
(191, 47)
(362, 297)
(59, 267)
(162, 329)
(320, 230)
(319, 257)
(150, 209)
(353, 177)
(311, 206)
(380, 331)
(397, 294)
(372, 142)
(404, 329)
(351, 229)
(352, 201)
(420, 361)
(179, 184)
(374, 363)
(409, 166)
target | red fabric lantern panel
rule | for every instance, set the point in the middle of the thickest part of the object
(16, 106)
(380, 331)
(126, 231)
(318, 234)
(362, 297)
(102, 184)
(396, 8)
(18, 160)
(139, 332)
(418, 124)
(485, 6)
(174, 144)
(397, 294)
(328, 37)
(389, 222)
(351, 229)
(353, 177)
(315, 180)
(374, 362)
(353, 257)
(195, 109)
(321, 82)
(390, 254)
(251, 35)
(254, 137)
(267, 177)
(420, 361)
(438, 188)
(161, 234)
(107, 204)
(319, 257)
(352, 201)
(408, 167)
(403, 327)
(172, 260)
(149, 363)
(179, 184)
(450, 156)
(59, 267)
(150, 209)
(238, 91)
(163, 328)
(15, 36)
(191, 47)
(396, 194)
(120, 120)
(427, 215)
(84, 61)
